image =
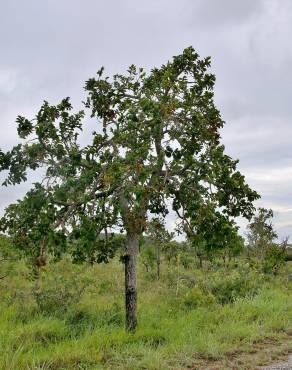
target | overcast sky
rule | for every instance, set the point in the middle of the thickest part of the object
(49, 48)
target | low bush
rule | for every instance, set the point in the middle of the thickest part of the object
(196, 297)
(187, 260)
(237, 284)
(148, 257)
(274, 258)
(57, 298)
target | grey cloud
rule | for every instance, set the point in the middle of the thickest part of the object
(49, 48)
(226, 12)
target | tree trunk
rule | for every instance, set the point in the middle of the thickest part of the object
(200, 261)
(224, 259)
(131, 282)
(158, 260)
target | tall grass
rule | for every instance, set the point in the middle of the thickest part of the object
(45, 326)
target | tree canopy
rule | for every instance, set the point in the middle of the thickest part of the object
(156, 149)
(261, 234)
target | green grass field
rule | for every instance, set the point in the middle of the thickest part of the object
(73, 316)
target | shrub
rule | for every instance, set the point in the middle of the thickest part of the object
(273, 259)
(186, 260)
(236, 285)
(196, 297)
(148, 257)
(59, 296)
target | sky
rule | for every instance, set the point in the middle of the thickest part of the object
(49, 48)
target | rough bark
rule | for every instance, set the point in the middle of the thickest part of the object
(131, 282)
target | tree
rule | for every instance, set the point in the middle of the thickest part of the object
(172, 250)
(261, 234)
(156, 148)
(214, 234)
(32, 224)
(7, 256)
(158, 237)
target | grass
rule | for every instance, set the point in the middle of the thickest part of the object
(72, 318)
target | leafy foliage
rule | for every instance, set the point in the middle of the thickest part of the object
(234, 286)
(196, 297)
(261, 233)
(156, 149)
(158, 140)
(274, 259)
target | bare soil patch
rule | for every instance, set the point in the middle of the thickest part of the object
(268, 354)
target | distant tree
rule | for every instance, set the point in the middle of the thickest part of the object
(95, 248)
(6, 251)
(172, 250)
(274, 258)
(7, 256)
(33, 227)
(148, 255)
(158, 237)
(214, 234)
(156, 147)
(261, 234)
